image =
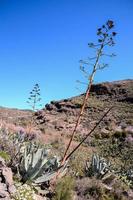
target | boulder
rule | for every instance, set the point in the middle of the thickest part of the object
(6, 181)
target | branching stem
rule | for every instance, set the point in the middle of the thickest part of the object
(87, 93)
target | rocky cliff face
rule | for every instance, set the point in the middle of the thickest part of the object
(60, 116)
(118, 90)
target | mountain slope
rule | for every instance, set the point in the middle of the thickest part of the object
(60, 116)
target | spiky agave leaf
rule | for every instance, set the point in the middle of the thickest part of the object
(98, 167)
(33, 159)
(36, 166)
(53, 166)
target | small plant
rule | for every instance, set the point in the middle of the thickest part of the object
(11, 143)
(95, 189)
(98, 167)
(126, 180)
(87, 188)
(130, 174)
(5, 156)
(64, 189)
(77, 162)
(24, 192)
(121, 134)
(119, 151)
(127, 177)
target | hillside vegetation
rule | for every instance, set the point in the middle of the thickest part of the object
(102, 168)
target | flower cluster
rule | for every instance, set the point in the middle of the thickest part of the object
(104, 33)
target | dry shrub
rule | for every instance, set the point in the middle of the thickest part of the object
(93, 189)
(64, 189)
(87, 188)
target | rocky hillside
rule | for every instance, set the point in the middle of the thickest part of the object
(59, 116)
(56, 122)
(15, 116)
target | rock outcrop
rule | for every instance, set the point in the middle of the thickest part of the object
(6, 181)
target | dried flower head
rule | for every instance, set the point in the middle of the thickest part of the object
(110, 24)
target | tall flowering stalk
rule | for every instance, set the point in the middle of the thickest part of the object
(34, 102)
(105, 38)
(34, 98)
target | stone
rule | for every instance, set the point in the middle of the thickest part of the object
(38, 197)
(105, 133)
(129, 129)
(3, 192)
(6, 181)
(7, 173)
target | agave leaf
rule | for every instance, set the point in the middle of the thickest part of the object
(37, 166)
(98, 167)
(48, 166)
(34, 171)
(36, 156)
(27, 162)
(45, 177)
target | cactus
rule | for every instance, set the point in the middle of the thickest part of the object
(98, 167)
(36, 166)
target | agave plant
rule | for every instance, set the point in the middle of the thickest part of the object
(36, 166)
(99, 167)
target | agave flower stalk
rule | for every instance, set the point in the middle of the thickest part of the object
(34, 102)
(106, 36)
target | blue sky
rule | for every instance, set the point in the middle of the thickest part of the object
(42, 41)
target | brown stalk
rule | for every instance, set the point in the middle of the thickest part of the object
(93, 129)
(84, 102)
(105, 39)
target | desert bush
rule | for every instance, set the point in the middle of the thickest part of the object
(121, 134)
(94, 189)
(127, 177)
(77, 163)
(120, 152)
(64, 189)
(119, 191)
(5, 156)
(11, 143)
(24, 192)
(88, 188)
(8, 143)
(117, 148)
